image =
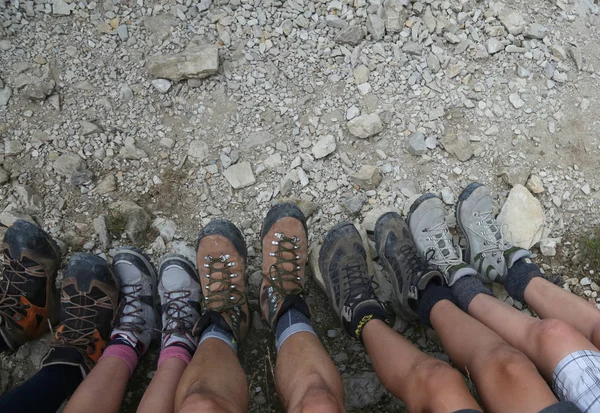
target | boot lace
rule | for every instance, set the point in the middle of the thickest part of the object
(491, 233)
(79, 325)
(16, 277)
(127, 316)
(226, 296)
(441, 251)
(279, 273)
(179, 315)
(359, 286)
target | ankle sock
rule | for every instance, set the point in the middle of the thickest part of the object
(220, 333)
(362, 313)
(123, 351)
(465, 289)
(178, 351)
(289, 323)
(519, 276)
(431, 295)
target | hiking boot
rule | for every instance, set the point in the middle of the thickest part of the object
(179, 292)
(221, 257)
(427, 223)
(89, 299)
(407, 272)
(487, 250)
(135, 319)
(285, 251)
(343, 264)
(28, 296)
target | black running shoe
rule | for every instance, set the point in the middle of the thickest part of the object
(407, 272)
(343, 264)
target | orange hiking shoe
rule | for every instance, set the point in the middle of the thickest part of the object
(221, 258)
(89, 300)
(285, 251)
(28, 297)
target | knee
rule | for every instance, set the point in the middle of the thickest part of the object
(506, 361)
(550, 331)
(434, 376)
(206, 403)
(319, 398)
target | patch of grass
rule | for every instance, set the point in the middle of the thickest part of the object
(590, 249)
(116, 222)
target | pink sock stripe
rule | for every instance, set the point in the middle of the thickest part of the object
(124, 352)
(175, 351)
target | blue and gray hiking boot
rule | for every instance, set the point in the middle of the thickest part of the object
(487, 250)
(427, 223)
(407, 272)
(180, 293)
(343, 264)
(136, 316)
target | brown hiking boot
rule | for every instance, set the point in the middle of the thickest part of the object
(28, 297)
(89, 299)
(221, 258)
(285, 250)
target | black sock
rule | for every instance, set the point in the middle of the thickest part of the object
(3, 345)
(519, 275)
(364, 312)
(465, 289)
(431, 295)
(44, 392)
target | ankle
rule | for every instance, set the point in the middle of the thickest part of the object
(519, 276)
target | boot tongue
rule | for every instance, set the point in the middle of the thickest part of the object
(129, 276)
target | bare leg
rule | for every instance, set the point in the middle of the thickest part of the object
(505, 378)
(306, 378)
(110, 376)
(545, 342)
(214, 381)
(424, 383)
(160, 394)
(551, 301)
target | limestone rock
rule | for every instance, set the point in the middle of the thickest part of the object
(198, 150)
(165, 227)
(548, 246)
(354, 204)
(4, 176)
(101, 228)
(5, 95)
(7, 218)
(324, 146)
(535, 185)
(376, 26)
(351, 35)
(240, 175)
(416, 144)
(367, 178)
(107, 185)
(523, 216)
(516, 175)
(67, 164)
(394, 15)
(362, 390)
(365, 126)
(195, 62)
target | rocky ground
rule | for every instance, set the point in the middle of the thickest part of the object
(138, 122)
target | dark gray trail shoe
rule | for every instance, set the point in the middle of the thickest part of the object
(343, 264)
(407, 272)
(487, 250)
(427, 223)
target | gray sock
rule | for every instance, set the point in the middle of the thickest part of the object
(519, 276)
(465, 289)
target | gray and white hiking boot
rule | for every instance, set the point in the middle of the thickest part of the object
(135, 319)
(427, 223)
(487, 250)
(180, 292)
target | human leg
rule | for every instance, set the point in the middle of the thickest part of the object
(179, 292)
(214, 381)
(50, 386)
(128, 340)
(306, 377)
(560, 351)
(422, 382)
